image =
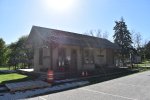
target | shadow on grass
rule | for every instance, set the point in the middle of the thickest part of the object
(1, 73)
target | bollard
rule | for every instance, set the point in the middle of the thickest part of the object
(83, 74)
(50, 76)
(86, 73)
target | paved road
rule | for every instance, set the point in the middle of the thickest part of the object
(132, 87)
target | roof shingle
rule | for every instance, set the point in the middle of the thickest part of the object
(70, 38)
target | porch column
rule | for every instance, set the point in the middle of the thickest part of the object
(51, 56)
(82, 57)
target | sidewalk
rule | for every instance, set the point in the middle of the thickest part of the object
(131, 87)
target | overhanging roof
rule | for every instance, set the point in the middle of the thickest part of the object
(70, 38)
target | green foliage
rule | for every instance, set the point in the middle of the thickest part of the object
(122, 37)
(3, 52)
(15, 54)
(144, 51)
(19, 55)
(147, 50)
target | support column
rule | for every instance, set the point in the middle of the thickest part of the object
(82, 58)
(51, 57)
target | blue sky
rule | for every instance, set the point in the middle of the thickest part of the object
(18, 16)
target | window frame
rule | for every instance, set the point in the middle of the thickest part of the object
(88, 55)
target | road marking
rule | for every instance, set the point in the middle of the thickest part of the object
(108, 94)
(42, 98)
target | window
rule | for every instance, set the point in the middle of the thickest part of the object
(61, 57)
(41, 56)
(88, 56)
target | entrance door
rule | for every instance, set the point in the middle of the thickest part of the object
(73, 66)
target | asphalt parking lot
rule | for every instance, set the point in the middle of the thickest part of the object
(131, 87)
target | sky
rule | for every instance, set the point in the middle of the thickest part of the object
(18, 16)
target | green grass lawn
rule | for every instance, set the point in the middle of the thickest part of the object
(143, 64)
(5, 68)
(13, 77)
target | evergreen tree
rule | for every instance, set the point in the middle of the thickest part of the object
(122, 38)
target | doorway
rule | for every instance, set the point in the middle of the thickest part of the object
(73, 64)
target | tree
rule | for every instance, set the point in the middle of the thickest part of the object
(147, 50)
(20, 55)
(13, 55)
(122, 37)
(91, 33)
(3, 52)
(97, 33)
(137, 40)
(105, 35)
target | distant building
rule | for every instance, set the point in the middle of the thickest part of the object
(66, 51)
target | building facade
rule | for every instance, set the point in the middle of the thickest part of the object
(66, 51)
